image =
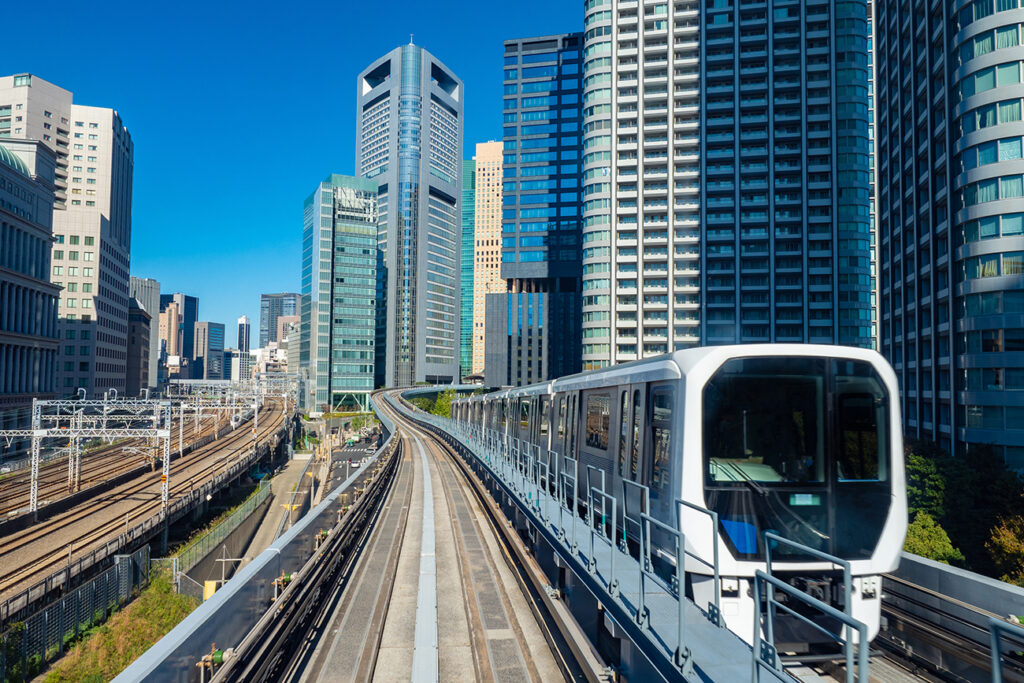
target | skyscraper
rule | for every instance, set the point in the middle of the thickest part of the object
(242, 358)
(339, 280)
(466, 274)
(951, 220)
(725, 176)
(208, 362)
(28, 300)
(188, 316)
(147, 292)
(137, 360)
(92, 224)
(486, 241)
(409, 122)
(244, 328)
(273, 306)
(534, 324)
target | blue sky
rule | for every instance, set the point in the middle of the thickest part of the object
(238, 110)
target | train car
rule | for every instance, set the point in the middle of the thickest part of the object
(802, 440)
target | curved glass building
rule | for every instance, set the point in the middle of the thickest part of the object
(951, 207)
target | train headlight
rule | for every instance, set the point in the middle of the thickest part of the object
(869, 586)
(730, 587)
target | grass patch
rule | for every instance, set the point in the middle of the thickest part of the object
(106, 650)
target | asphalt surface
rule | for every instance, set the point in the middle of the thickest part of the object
(340, 469)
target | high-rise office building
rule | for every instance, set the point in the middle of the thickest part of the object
(244, 328)
(486, 241)
(137, 361)
(147, 292)
(92, 224)
(188, 316)
(339, 280)
(208, 362)
(534, 325)
(273, 306)
(951, 219)
(409, 122)
(725, 176)
(28, 300)
(466, 272)
(242, 357)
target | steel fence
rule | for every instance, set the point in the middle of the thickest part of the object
(27, 646)
(193, 553)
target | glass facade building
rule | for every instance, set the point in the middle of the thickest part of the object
(533, 329)
(951, 218)
(725, 175)
(339, 280)
(272, 307)
(409, 125)
(466, 277)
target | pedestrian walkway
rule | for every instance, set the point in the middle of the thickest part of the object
(281, 488)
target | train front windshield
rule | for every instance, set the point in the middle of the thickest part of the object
(798, 446)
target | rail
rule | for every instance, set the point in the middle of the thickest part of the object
(626, 587)
(998, 629)
(16, 606)
(244, 602)
(764, 650)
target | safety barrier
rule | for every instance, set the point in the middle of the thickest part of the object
(581, 520)
(200, 547)
(28, 645)
(997, 630)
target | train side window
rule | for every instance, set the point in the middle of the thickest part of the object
(599, 410)
(623, 432)
(574, 423)
(662, 403)
(561, 420)
(634, 458)
(545, 404)
(524, 413)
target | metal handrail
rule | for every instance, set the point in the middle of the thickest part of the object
(770, 536)
(682, 653)
(997, 628)
(715, 610)
(764, 651)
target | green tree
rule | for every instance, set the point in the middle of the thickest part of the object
(927, 538)
(443, 403)
(1006, 546)
(926, 486)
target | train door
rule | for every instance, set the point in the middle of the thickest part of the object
(543, 423)
(658, 467)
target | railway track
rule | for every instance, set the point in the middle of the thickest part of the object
(34, 552)
(98, 465)
(435, 560)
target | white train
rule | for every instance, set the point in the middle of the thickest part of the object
(799, 439)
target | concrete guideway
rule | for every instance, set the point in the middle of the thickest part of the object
(431, 601)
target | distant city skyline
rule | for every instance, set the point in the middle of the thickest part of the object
(249, 195)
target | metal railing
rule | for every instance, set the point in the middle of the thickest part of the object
(197, 549)
(501, 453)
(765, 656)
(997, 630)
(28, 645)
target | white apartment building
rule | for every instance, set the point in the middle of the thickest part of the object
(91, 225)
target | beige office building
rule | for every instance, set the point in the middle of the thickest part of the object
(91, 225)
(487, 241)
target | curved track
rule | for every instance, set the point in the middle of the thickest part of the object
(31, 554)
(98, 465)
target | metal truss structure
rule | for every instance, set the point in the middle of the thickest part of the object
(79, 421)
